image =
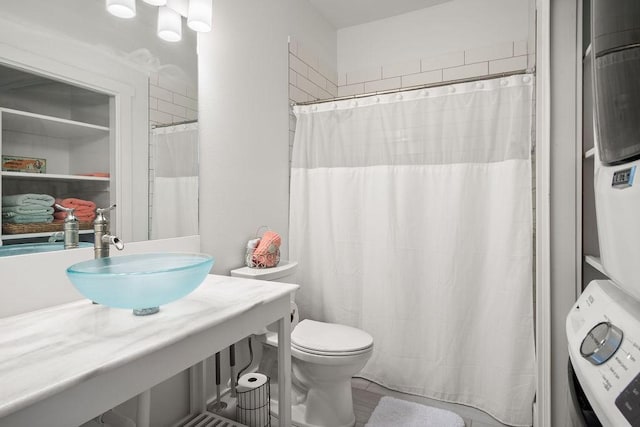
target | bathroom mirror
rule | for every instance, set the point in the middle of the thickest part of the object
(74, 81)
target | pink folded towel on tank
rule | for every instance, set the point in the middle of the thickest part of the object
(266, 253)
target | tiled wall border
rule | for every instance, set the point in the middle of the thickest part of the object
(476, 62)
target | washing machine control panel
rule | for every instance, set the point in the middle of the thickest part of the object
(628, 402)
(603, 333)
(602, 342)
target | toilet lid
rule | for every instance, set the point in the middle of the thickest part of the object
(329, 338)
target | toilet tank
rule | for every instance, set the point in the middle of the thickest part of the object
(284, 272)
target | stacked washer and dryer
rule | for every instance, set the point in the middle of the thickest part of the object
(603, 326)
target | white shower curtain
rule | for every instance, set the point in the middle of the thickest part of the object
(411, 218)
(174, 165)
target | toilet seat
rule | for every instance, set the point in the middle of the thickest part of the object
(329, 339)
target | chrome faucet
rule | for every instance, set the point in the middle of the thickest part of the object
(55, 236)
(102, 238)
(70, 229)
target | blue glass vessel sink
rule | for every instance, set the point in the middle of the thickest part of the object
(141, 282)
(32, 248)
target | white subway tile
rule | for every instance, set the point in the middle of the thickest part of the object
(349, 90)
(185, 102)
(342, 79)
(509, 64)
(173, 109)
(531, 61)
(307, 86)
(307, 56)
(323, 94)
(447, 60)
(298, 66)
(328, 72)
(317, 79)
(425, 78)
(332, 89)
(178, 119)
(466, 71)
(292, 77)
(192, 92)
(172, 84)
(520, 47)
(160, 93)
(160, 117)
(488, 53)
(364, 75)
(400, 69)
(153, 103)
(192, 114)
(297, 95)
(385, 84)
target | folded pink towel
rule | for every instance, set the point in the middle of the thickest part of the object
(78, 203)
(266, 254)
(85, 210)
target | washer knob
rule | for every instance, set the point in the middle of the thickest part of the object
(602, 341)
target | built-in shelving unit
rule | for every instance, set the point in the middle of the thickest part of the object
(49, 126)
(67, 127)
(51, 176)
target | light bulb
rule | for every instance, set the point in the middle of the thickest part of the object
(199, 17)
(122, 8)
(169, 24)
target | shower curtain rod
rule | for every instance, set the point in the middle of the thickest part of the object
(186, 122)
(424, 86)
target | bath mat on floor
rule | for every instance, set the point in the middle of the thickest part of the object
(392, 412)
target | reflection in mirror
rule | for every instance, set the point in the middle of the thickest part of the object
(60, 133)
(55, 149)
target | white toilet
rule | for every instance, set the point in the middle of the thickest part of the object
(324, 357)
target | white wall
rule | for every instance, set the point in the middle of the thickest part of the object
(244, 111)
(447, 27)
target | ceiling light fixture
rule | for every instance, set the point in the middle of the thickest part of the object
(156, 2)
(170, 13)
(180, 6)
(199, 16)
(122, 8)
(169, 24)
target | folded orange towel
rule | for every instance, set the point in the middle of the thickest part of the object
(77, 203)
(266, 254)
(85, 210)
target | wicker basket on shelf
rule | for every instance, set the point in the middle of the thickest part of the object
(38, 227)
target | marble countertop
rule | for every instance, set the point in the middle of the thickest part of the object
(48, 351)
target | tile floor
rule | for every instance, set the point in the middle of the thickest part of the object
(366, 395)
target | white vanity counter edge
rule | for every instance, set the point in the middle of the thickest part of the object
(82, 348)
